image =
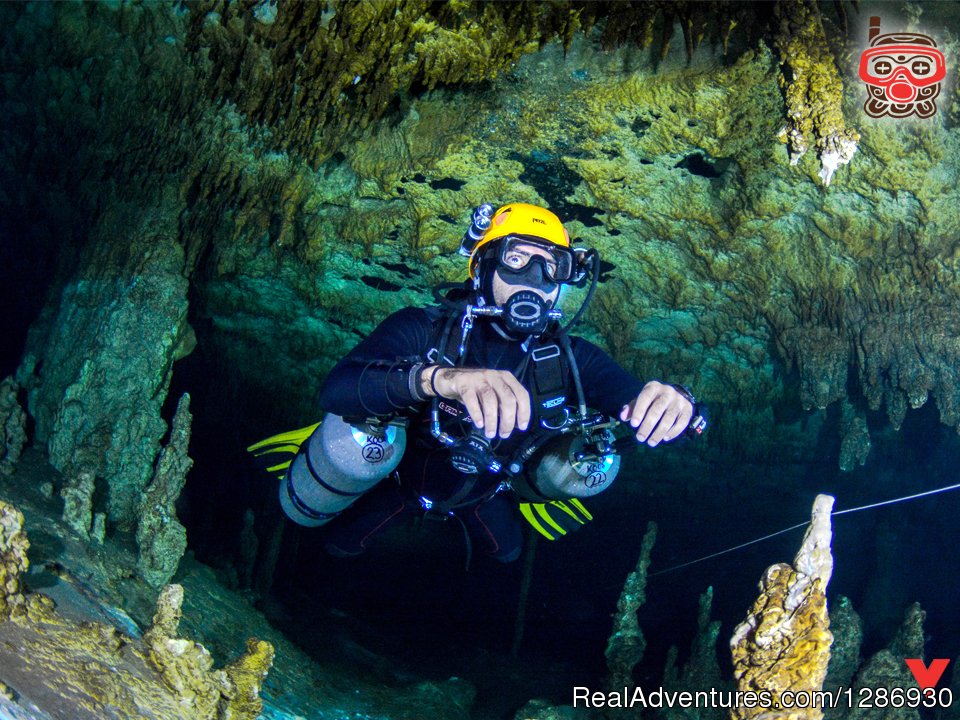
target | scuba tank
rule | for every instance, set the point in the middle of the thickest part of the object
(567, 466)
(336, 465)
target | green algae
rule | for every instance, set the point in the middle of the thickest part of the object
(729, 262)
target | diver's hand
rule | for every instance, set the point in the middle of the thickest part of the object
(660, 413)
(495, 399)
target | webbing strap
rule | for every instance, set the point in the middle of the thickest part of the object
(437, 353)
(549, 382)
(300, 505)
(453, 502)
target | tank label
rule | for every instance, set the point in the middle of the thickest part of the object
(595, 479)
(373, 449)
(364, 438)
(595, 473)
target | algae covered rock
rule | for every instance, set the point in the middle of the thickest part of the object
(13, 561)
(161, 538)
(241, 698)
(55, 665)
(722, 262)
(13, 435)
(813, 89)
(185, 666)
(107, 359)
(77, 494)
(784, 644)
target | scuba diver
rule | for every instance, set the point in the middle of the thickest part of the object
(498, 400)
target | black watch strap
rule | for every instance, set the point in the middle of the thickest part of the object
(698, 423)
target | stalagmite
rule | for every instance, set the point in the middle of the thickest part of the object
(160, 536)
(77, 494)
(626, 644)
(847, 629)
(784, 644)
(13, 561)
(13, 422)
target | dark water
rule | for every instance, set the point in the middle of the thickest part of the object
(410, 600)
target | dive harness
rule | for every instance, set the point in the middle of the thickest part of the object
(592, 446)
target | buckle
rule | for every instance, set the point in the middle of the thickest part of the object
(547, 352)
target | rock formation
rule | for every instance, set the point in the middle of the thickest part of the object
(813, 89)
(54, 666)
(77, 494)
(784, 644)
(186, 666)
(109, 352)
(701, 671)
(161, 538)
(847, 630)
(13, 562)
(13, 434)
(626, 644)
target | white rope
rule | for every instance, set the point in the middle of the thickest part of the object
(728, 550)
(804, 524)
(896, 500)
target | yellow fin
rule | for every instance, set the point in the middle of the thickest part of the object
(581, 507)
(542, 511)
(294, 438)
(526, 509)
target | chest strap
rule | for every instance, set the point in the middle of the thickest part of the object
(549, 387)
(440, 343)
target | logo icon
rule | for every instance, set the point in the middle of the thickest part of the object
(927, 677)
(903, 72)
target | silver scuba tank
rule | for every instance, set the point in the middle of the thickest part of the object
(554, 473)
(336, 465)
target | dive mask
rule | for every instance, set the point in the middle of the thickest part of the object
(519, 253)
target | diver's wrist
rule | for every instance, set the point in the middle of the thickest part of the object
(428, 381)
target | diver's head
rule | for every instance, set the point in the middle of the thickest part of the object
(519, 264)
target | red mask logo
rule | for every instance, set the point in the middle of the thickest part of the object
(903, 72)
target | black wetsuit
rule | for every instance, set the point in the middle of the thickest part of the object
(376, 378)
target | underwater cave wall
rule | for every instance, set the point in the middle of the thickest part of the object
(287, 175)
(103, 371)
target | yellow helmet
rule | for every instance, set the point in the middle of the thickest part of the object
(523, 220)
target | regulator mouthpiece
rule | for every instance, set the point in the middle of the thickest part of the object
(526, 313)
